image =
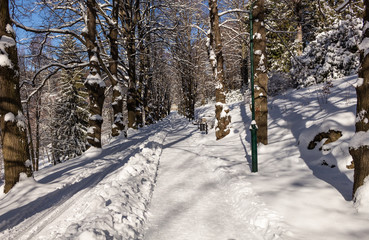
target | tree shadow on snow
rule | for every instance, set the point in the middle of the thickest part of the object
(246, 123)
(297, 124)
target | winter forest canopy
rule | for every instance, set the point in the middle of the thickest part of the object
(75, 74)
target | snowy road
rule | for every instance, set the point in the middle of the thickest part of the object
(193, 199)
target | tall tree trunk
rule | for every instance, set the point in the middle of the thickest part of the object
(140, 111)
(358, 150)
(299, 16)
(129, 18)
(147, 86)
(38, 137)
(244, 66)
(30, 138)
(94, 84)
(260, 70)
(216, 61)
(12, 121)
(132, 93)
(117, 100)
(190, 73)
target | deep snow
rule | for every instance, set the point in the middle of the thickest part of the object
(170, 181)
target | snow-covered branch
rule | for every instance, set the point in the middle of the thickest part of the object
(233, 11)
(50, 30)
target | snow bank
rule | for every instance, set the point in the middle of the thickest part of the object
(362, 198)
(118, 205)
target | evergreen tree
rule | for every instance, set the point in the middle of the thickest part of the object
(292, 25)
(69, 124)
(334, 54)
(282, 26)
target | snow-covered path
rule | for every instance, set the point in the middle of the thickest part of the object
(170, 181)
(193, 199)
(189, 202)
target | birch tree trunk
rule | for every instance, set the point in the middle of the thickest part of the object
(94, 84)
(12, 121)
(359, 146)
(216, 60)
(260, 70)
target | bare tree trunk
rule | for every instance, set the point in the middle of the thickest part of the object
(129, 19)
(358, 150)
(38, 137)
(216, 61)
(140, 111)
(30, 144)
(244, 66)
(146, 85)
(12, 121)
(299, 35)
(94, 83)
(117, 100)
(260, 70)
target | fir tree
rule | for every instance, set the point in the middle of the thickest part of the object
(71, 114)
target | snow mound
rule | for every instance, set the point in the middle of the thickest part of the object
(362, 198)
(118, 205)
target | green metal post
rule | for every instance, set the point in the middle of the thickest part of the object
(253, 127)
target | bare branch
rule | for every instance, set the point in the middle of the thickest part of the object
(49, 30)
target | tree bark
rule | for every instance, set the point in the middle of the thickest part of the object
(94, 83)
(117, 99)
(37, 135)
(147, 84)
(244, 66)
(360, 154)
(260, 70)
(30, 138)
(299, 16)
(215, 48)
(129, 19)
(12, 121)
